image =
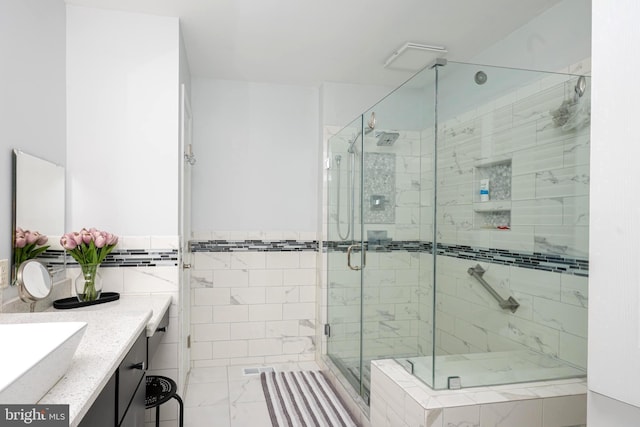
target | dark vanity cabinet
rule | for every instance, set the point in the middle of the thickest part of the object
(102, 412)
(153, 342)
(121, 401)
(131, 385)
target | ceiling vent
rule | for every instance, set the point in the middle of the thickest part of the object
(414, 56)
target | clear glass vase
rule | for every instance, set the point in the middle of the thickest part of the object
(88, 284)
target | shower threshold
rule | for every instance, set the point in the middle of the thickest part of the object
(473, 369)
(491, 368)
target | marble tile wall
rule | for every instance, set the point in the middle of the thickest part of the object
(390, 311)
(552, 317)
(252, 306)
(549, 200)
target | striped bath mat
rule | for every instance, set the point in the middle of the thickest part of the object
(303, 398)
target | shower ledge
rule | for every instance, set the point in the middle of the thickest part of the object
(492, 206)
(394, 390)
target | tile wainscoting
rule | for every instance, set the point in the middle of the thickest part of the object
(253, 299)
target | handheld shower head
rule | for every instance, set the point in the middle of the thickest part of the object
(352, 143)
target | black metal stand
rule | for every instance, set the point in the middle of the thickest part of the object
(159, 390)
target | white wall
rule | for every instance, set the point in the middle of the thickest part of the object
(256, 147)
(32, 84)
(122, 121)
(123, 78)
(614, 367)
(342, 102)
(554, 39)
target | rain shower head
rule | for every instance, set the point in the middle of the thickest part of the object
(386, 139)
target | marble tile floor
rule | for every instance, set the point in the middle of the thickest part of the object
(225, 397)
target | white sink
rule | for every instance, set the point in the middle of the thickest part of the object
(34, 357)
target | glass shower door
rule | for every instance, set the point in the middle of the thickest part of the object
(381, 180)
(380, 301)
(398, 227)
(345, 257)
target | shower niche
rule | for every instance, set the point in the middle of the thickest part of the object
(493, 211)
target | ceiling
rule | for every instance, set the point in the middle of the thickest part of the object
(305, 42)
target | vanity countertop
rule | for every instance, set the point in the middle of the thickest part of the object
(111, 331)
(158, 304)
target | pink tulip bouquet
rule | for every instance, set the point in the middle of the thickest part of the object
(28, 245)
(89, 248)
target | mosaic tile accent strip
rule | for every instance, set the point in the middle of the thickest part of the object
(253, 245)
(141, 258)
(119, 258)
(390, 246)
(532, 260)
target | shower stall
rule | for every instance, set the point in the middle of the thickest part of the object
(457, 229)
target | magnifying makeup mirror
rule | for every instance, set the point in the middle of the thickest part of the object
(34, 281)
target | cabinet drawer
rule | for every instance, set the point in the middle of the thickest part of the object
(154, 341)
(130, 373)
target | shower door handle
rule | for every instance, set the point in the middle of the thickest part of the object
(364, 257)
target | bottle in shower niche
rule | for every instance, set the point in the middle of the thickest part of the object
(484, 190)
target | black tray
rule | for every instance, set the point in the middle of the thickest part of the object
(73, 302)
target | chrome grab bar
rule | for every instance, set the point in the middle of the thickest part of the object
(364, 257)
(509, 303)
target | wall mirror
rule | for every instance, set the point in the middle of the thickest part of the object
(38, 198)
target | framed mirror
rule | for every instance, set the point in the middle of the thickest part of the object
(38, 205)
